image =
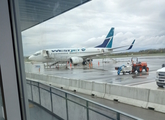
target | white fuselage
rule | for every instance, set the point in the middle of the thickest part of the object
(77, 55)
(64, 54)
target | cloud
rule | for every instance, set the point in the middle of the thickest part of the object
(88, 24)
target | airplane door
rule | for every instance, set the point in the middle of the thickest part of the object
(45, 53)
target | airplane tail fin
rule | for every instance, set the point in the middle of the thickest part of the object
(108, 40)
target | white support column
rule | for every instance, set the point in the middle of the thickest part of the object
(11, 62)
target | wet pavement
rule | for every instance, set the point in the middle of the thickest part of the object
(104, 71)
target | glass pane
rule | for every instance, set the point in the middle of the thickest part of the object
(38, 19)
(2, 116)
(56, 39)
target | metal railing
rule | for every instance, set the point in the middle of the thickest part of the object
(69, 106)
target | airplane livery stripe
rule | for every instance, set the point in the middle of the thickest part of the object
(104, 43)
(109, 45)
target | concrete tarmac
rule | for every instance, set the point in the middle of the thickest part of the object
(105, 71)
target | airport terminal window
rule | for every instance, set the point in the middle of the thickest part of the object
(48, 26)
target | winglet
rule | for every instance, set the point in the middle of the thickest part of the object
(131, 45)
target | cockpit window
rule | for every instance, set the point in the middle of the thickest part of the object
(36, 54)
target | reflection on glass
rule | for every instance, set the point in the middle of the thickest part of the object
(68, 30)
(2, 116)
(35, 35)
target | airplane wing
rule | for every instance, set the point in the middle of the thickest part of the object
(109, 51)
(128, 47)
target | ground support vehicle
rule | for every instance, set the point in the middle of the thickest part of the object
(160, 76)
(124, 69)
(131, 68)
(139, 66)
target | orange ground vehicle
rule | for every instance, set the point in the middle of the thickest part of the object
(139, 66)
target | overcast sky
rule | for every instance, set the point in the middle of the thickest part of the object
(88, 24)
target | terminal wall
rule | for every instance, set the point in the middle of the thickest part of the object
(140, 97)
(128, 95)
(29, 93)
(59, 106)
(157, 100)
(35, 94)
(98, 89)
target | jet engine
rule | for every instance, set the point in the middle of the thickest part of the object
(76, 60)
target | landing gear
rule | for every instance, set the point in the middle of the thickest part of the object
(88, 61)
(84, 62)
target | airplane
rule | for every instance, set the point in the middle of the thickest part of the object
(78, 55)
